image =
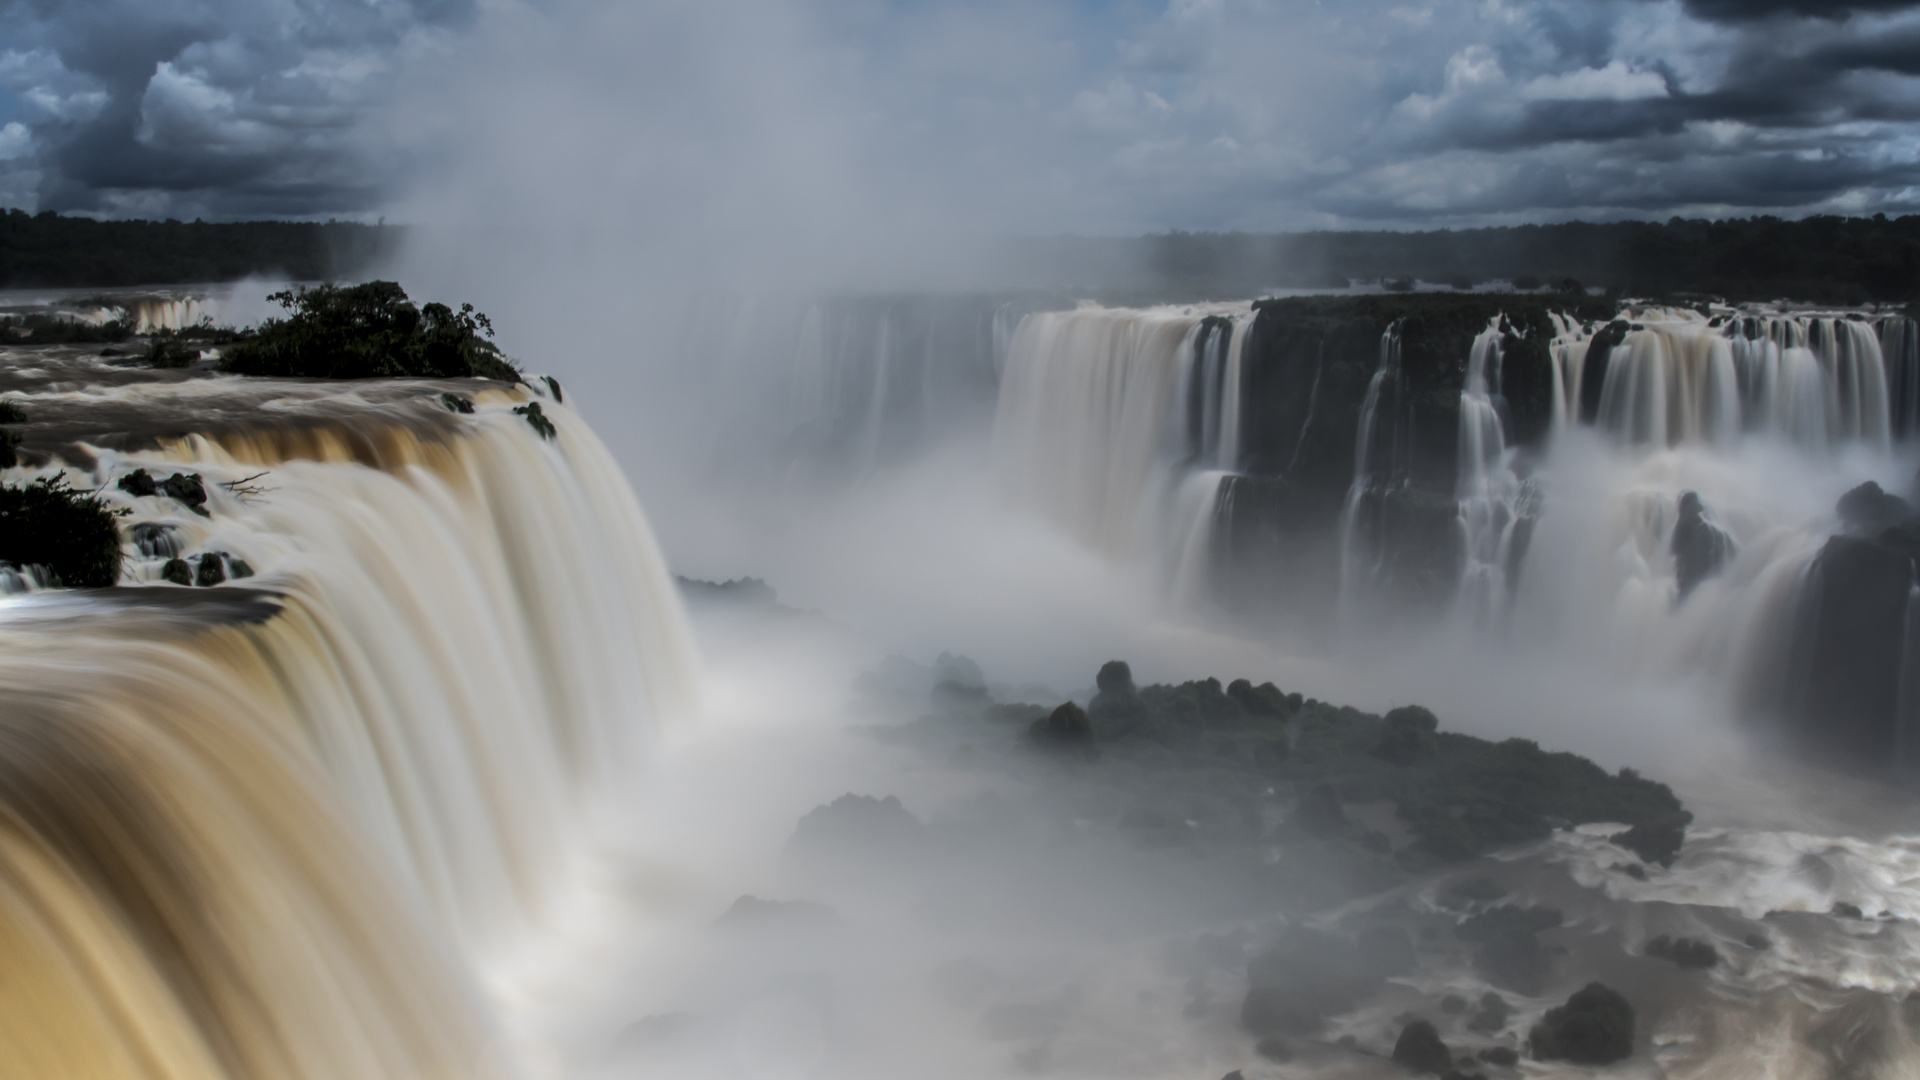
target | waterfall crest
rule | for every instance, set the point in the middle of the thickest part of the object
(275, 828)
(1104, 412)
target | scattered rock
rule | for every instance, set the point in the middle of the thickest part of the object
(537, 419)
(1594, 1027)
(238, 568)
(1845, 910)
(187, 489)
(459, 403)
(177, 571)
(1687, 953)
(138, 482)
(1420, 1049)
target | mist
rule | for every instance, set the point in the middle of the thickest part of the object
(716, 224)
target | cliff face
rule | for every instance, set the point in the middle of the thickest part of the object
(1311, 364)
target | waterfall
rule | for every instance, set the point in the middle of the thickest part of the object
(276, 827)
(1494, 523)
(1378, 464)
(1104, 412)
(1900, 346)
(1677, 377)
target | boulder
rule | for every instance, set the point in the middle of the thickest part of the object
(177, 571)
(1868, 510)
(1657, 842)
(1852, 636)
(1420, 1049)
(138, 482)
(211, 570)
(1687, 953)
(1116, 711)
(1594, 1027)
(1067, 729)
(1700, 548)
(1490, 1016)
(186, 488)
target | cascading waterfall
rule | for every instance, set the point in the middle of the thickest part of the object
(277, 828)
(1121, 424)
(1495, 521)
(1378, 464)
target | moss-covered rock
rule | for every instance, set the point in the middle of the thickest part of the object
(71, 533)
(537, 419)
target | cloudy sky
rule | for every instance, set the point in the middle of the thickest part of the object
(1030, 116)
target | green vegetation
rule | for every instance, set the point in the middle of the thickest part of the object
(48, 250)
(537, 419)
(51, 330)
(70, 533)
(1458, 795)
(369, 331)
(1824, 259)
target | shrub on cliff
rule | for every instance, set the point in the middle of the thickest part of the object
(72, 533)
(369, 331)
(1594, 1027)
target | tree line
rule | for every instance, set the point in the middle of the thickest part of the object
(49, 250)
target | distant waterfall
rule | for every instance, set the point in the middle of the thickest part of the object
(1379, 464)
(1677, 377)
(1494, 523)
(268, 829)
(1120, 424)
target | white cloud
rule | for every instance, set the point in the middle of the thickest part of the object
(1615, 82)
(16, 141)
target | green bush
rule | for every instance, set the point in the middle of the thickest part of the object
(369, 331)
(72, 533)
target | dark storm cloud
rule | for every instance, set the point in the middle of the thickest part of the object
(1032, 116)
(1748, 10)
(222, 109)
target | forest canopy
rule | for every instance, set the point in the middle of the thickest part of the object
(47, 250)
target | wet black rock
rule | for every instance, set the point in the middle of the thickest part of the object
(1868, 510)
(187, 489)
(139, 482)
(537, 419)
(1594, 1027)
(238, 568)
(1846, 693)
(459, 403)
(1700, 548)
(1657, 842)
(1419, 1048)
(1491, 1015)
(1688, 953)
(1067, 730)
(177, 571)
(553, 386)
(1503, 1056)
(211, 570)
